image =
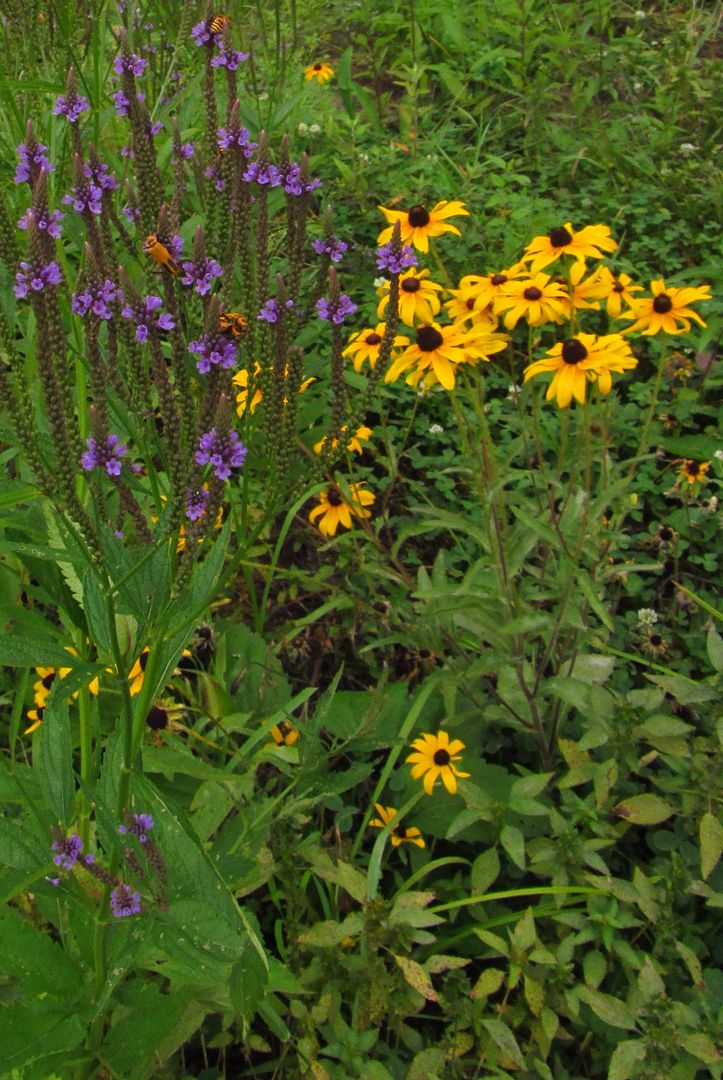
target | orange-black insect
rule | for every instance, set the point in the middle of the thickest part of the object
(219, 23)
(232, 321)
(161, 254)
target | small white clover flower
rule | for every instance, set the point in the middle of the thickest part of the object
(364, 157)
(303, 128)
(640, 14)
(315, 129)
(379, 282)
(711, 506)
(436, 429)
(718, 454)
(647, 616)
(688, 148)
(513, 392)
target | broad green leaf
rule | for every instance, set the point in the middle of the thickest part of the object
(416, 976)
(24, 651)
(702, 1047)
(625, 1059)
(329, 934)
(247, 981)
(485, 870)
(505, 1040)
(513, 842)
(609, 1009)
(488, 983)
(35, 961)
(38, 1030)
(524, 934)
(151, 1027)
(53, 756)
(714, 645)
(711, 844)
(644, 810)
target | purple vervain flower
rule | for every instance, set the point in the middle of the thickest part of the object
(96, 299)
(270, 311)
(131, 212)
(391, 261)
(153, 129)
(71, 106)
(137, 825)
(196, 503)
(131, 65)
(122, 101)
(184, 151)
(145, 318)
(106, 457)
(331, 246)
(238, 138)
(200, 273)
(125, 901)
(201, 33)
(100, 175)
(264, 173)
(223, 452)
(213, 350)
(175, 246)
(85, 198)
(36, 277)
(229, 58)
(335, 311)
(51, 224)
(29, 167)
(68, 849)
(214, 173)
(293, 182)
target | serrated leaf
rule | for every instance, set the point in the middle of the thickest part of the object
(644, 810)
(625, 1057)
(247, 981)
(711, 844)
(329, 934)
(610, 1010)
(53, 756)
(416, 976)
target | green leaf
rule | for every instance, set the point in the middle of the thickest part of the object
(95, 606)
(714, 645)
(247, 982)
(53, 756)
(17, 651)
(506, 1041)
(416, 976)
(702, 1047)
(35, 961)
(485, 870)
(711, 844)
(683, 690)
(644, 810)
(32, 1031)
(513, 842)
(151, 1027)
(488, 983)
(625, 1058)
(609, 1009)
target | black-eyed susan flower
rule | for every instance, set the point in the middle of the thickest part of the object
(438, 350)
(694, 472)
(579, 360)
(586, 291)
(400, 834)
(491, 285)
(655, 644)
(418, 297)
(365, 345)
(618, 290)
(335, 510)
(137, 672)
(667, 309)
(418, 223)
(241, 380)
(354, 445)
(434, 756)
(537, 299)
(284, 734)
(465, 307)
(43, 685)
(589, 243)
(321, 72)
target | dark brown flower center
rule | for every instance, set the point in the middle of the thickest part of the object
(573, 351)
(317, 67)
(662, 303)
(469, 304)
(665, 534)
(157, 718)
(400, 831)
(498, 279)
(333, 496)
(533, 293)
(418, 216)
(284, 728)
(143, 659)
(655, 640)
(48, 680)
(441, 757)
(691, 468)
(372, 339)
(618, 287)
(411, 284)
(559, 237)
(428, 338)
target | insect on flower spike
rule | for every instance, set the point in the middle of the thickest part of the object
(160, 253)
(232, 322)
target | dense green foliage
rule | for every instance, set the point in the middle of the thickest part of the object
(538, 582)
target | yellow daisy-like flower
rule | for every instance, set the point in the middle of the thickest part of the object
(365, 345)
(586, 291)
(434, 756)
(465, 307)
(491, 285)
(43, 686)
(591, 242)
(579, 360)
(693, 471)
(136, 674)
(418, 299)
(617, 290)
(666, 309)
(437, 350)
(400, 834)
(321, 72)
(538, 299)
(284, 734)
(354, 444)
(418, 223)
(241, 379)
(335, 510)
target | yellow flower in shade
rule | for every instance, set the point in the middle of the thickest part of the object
(366, 344)
(434, 756)
(135, 675)
(43, 686)
(691, 471)
(586, 291)
(354, 444)
(418, 224)
(418, 299)
(591, 242)
(241, 380)
(538, 299)
(491, 285)
(335, 510)
(437, 350)
(580, 360)
(617, 290)
(400, 834)
(284, 734)
(465, 307)
(321, 72)
(666, 308)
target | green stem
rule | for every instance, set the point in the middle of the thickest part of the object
(512, 894)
